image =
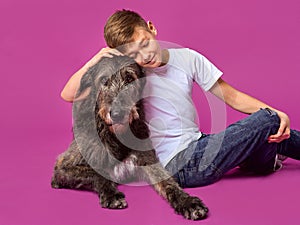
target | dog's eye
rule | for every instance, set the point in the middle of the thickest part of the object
(128, 79)
(104, 81)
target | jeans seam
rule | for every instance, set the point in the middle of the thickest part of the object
(218, 170)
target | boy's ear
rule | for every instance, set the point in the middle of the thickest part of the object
(152, 28)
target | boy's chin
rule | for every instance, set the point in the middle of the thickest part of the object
(152, 65)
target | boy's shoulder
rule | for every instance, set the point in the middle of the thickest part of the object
(185, 52)
(184, 55)
(179, 50)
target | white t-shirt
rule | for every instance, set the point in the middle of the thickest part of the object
(169, 108)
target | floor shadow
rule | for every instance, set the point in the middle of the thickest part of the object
(288, 165)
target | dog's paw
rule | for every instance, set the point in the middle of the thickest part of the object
(193, 209)
(116, 201)
(55, 184)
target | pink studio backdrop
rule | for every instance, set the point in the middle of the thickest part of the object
(42, 43)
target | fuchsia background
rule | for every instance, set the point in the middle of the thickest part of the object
(255, 43)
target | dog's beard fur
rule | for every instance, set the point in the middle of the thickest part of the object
(124, 124)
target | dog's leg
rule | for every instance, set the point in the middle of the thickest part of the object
(110, 197)
(188, 206)
(71, 171)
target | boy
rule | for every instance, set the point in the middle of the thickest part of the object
(194, 158)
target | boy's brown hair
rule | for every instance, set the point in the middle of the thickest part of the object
(120, 26)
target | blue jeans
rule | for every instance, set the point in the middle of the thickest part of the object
(243, 144)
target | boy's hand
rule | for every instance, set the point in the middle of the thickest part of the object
(104, 52)
(68, 93)
(283, 131)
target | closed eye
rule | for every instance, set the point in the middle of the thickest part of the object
(133, 55)
(146, 44)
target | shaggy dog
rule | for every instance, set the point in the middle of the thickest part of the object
(111, 141)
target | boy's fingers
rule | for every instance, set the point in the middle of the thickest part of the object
(287, 133)
(283, 132)
(275, 139)
(107, 54)
(110, 50)
(277, 135)
(280, 136)
(282, 129)
(115, 52)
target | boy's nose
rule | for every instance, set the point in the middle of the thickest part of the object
(145, 56)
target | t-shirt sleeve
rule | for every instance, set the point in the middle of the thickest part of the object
(204, 72)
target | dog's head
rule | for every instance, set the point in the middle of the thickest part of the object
(117, 82)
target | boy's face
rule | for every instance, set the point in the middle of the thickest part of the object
(144, 48)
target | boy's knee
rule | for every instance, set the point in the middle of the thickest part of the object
(272, 117)
(267, 116)
(263, 122)
(269, 112)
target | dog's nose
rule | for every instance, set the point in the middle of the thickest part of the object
(117, 115)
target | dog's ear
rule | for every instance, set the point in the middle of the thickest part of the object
(86, 83)
(90, 78)
(140, 74)
(140, 71)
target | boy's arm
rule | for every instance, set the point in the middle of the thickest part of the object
(247, 104)
(70, 89)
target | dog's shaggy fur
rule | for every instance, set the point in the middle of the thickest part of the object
(111, 144)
